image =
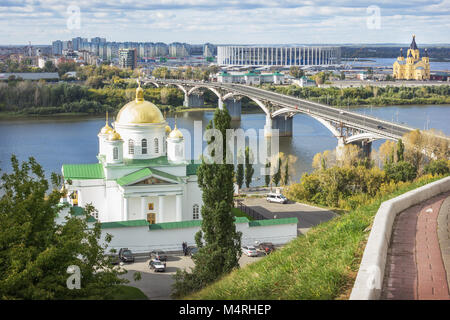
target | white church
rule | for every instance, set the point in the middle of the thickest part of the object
(141, 174)
(145, 191)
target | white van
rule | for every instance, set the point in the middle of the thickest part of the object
(276, 197)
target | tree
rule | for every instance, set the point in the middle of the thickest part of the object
(249, 170)
(437, 167)
(286, 173)
(49, 66)
(400, 171)
(267, 176)
(276, 178)
(385, 152)
(240, 170)
(400, 150)
(35, 252)
(218, 241)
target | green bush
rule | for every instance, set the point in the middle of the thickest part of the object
(400, 171)
(437, 167)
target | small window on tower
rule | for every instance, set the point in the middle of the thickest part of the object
(156, 145)
(116, 153)
(195, 212)
(130, 146)
(144, 146)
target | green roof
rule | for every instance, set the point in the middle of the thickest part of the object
(143, 173)
(175, 225)
(271, 222)
(122, 224)
(83, 171)
(191, 169)
(241, 220)
(79, 211)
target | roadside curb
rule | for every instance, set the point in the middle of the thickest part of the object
(370, 276)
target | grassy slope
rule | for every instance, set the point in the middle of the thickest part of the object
(129, 293)
(239, 213)
(321, 265)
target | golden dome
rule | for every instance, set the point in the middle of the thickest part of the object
(106, 129)
(176, 134)
(168, 129)
(139, 111)
(114, 135)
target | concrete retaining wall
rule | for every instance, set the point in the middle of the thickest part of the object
(141, 239)
(370, 276)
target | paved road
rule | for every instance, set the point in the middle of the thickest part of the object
(157, 285)
(414, 266)
(308, 216)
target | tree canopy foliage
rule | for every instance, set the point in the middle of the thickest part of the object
(35, 252)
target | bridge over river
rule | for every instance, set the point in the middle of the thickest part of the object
(346, 126)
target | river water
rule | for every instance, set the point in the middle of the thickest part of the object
(56, 141)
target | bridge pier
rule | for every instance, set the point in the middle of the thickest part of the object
(365, 146)
(340, 149)
(234, 108)
(281, 122)
(193, 100)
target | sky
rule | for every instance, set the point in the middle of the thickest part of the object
(226, 22)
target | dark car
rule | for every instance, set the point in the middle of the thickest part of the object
(158, 255)
(125, 255)
(157, 266)
(380, 127)
(266, 247)
(192, 251)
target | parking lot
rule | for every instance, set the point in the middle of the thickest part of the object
(157, 285)
(308, 216)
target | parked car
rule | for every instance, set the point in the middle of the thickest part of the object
(250, 251)
(157, 266)
(158, 255)
(125, 255)
(115, 259)
(192, 251)
(276, 197)
(266, 247)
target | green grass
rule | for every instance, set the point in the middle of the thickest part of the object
(239, 213)
(321, 265)
(129, 293)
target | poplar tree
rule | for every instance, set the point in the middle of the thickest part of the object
(267, 176)
(218, 241)
(240, 170)
(277, 176)
(400, 150)
(249, 170)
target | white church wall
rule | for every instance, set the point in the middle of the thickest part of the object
(93, 195)
(141, 239)
(114, 205)
(193, 196)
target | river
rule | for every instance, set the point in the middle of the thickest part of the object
(55, 141)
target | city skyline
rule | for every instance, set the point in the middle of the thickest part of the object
(226, 22)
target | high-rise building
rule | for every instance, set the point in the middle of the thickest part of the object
(128, 58)
(57, 47)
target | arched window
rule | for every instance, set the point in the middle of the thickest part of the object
(116, 153)
(130, 146)
(156, 145)
(195, 212)
(144, 146)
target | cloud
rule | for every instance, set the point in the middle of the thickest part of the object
(227, 21)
